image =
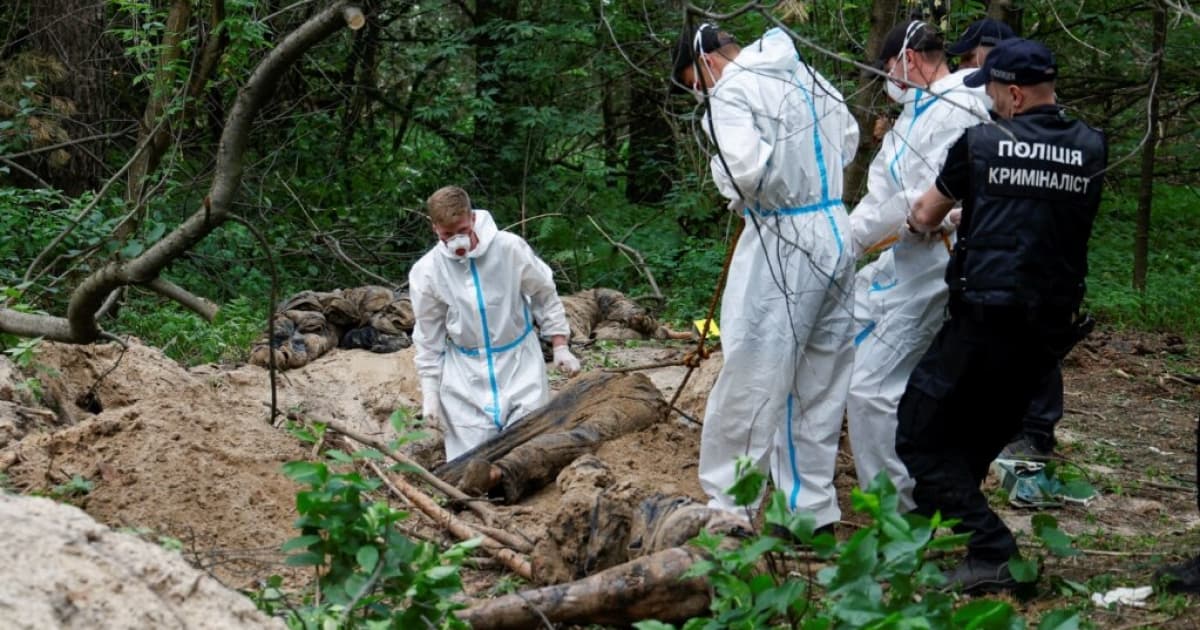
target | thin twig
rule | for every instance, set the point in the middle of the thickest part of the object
(272, 368)
(461, 530)
(28, 173)
(68, 143)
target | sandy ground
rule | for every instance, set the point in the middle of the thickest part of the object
(191, 454)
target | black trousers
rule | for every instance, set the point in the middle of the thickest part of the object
(964, 402)
(1045, 410)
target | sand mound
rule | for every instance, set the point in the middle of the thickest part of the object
(61, 569)
(190, 453)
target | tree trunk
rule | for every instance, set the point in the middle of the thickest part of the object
(495, 169)
(73, 32)
(865, 103)
(651, 147)
(1006, 11)
(1141, 238)
(647, 588)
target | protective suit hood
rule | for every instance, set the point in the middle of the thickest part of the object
(485, 230)
(773, 54)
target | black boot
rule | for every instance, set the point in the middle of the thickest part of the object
(975, 575)
(1180, 578)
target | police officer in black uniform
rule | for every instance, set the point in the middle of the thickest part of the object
(1029, 184)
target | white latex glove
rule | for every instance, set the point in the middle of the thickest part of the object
(565, 361)
(431, 401)
(907, 235)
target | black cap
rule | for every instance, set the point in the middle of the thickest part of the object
(711, 38)
(985, 32)
(1016, 61)
(919, 36)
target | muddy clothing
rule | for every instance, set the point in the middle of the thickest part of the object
(474, 323)
(1029, 198)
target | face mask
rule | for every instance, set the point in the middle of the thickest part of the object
(896, 91)
(458, 245)
(698, 90)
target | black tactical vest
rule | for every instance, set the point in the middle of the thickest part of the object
(1035, 190)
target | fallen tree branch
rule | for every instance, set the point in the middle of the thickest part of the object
(515, 562)
(199, 305)
(647, 588)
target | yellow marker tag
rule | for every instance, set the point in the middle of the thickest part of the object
(713, 331)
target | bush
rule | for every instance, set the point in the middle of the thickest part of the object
(850, 592)
(370, 574)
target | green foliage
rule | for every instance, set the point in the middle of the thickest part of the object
(74, 488)
(187, 338)
(1170, 302)
(369, 574)
(24, 351)
(749, 592)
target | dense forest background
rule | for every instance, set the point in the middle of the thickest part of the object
(554, 115)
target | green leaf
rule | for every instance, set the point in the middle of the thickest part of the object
(300, 542)
(306, 472)
(653, 625)
(749, 485)
(985, 614)
(306, 559)
(367, 453)
(441, 572)
(1067, 619)
(367, 557)
(1023, 571)
(132, 249)
(339, 456)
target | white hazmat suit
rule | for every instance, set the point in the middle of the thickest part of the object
(785, 135)
(900, 298)
(474, 332)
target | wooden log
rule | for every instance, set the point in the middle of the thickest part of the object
(598, 399)
(647, 588)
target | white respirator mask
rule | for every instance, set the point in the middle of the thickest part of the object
(896, 91)
(458, 245)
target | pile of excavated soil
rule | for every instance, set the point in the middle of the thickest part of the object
(59, 568)
(190, 454)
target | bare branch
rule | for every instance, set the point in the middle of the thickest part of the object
(68, 143)
(28, 173)
(201, 306)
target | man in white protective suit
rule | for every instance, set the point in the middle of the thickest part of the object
(476, 296)
(782, 135)
(900, 298)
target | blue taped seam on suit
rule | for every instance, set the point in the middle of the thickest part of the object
(474, 352)
(862, 335)
(792, 458)
(875, 286)
(487, 348)
(918, 109)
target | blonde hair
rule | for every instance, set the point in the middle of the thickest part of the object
(447, 205)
